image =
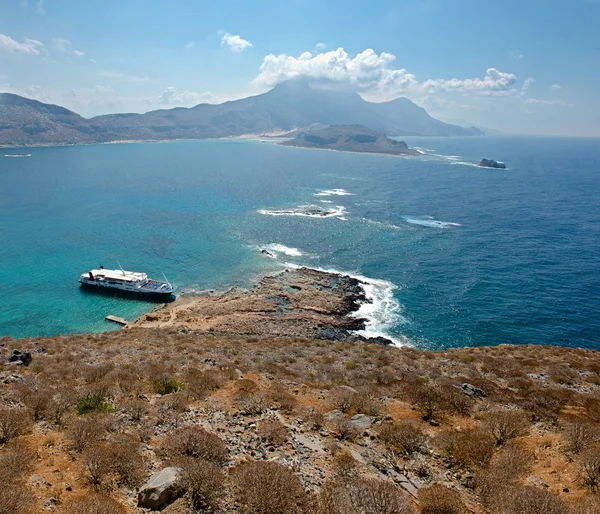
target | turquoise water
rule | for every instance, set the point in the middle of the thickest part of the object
(463, 255)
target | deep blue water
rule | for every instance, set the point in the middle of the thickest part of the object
(477, 256)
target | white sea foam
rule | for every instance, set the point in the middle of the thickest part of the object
(309, 211)
(382, 224)
(326, 201)
(381, 310)
(430, 222)
(277, 248)
(333, 192)
(464, 163)
(17, 155)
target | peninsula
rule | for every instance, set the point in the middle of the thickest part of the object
(351, 138)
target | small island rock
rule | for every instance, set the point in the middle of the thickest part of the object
(489, 163)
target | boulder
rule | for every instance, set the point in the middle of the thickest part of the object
(361, 422)
(161, 489)
(19, 357)
(490, 163)
(472, 391)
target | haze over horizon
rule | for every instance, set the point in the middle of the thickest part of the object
(519, 67)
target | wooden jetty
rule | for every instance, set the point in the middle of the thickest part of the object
(117, 319)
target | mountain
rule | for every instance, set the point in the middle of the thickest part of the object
(288, 106)
(350, 138)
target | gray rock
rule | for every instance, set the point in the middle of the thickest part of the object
(473, 391)
(161, 490)
(361, 422)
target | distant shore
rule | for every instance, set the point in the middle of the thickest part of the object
(303, 302)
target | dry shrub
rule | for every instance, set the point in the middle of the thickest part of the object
(360, 496)
(171, 405)
(201, 384)
(505, 425)
(529, 500)
(114, 464)
(438, 499)
(590, 468)
(493, 483)
(273, 432)
(195, 442)
(405, 437)
(588, 504)
(93, 504)
(135, 408)
(87, 431)
(579, 435)
(16, 460)
(459, 402)
(543, 405)
(473, 447)
(267, 487)
(278, 394)
(37, 399)
(313, 418)
(13, 423)
(563, 374)
(343, 428)
(430, 400)
(62, 403)
(343, 398)
(15, 498)
(204, 481)
(344, 466)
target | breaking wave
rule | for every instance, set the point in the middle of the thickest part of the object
(276, 248)
(382, 311)
(430, 222)
(309, 211)
(333, 192)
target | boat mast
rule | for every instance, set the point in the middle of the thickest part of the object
(122, 270)
(166, 279)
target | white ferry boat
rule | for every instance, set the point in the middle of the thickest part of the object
(126, 282)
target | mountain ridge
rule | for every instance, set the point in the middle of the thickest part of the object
(288, 106)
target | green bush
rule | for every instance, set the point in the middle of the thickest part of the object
(166, 385)
(93, 403)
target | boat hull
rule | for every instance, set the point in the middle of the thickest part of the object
(156, 296)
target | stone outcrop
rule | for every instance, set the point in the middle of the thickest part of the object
(161, 489)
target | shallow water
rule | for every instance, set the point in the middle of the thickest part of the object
(461, 255)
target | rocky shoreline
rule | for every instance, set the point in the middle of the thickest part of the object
(300, 303)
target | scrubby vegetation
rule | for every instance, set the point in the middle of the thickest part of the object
(297, 426)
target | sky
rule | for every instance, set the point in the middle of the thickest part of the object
(518, 66)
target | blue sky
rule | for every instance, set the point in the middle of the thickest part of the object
(519, 66)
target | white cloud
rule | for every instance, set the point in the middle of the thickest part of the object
(28, 46)
(517, 55)
(556, 87)
(374, 76)
(527, 85)
(171, 97)
(78, 53)
(537, 101)
(320, 46)
(235, 42)
(59, 44)
(190, 44)
(123, 76)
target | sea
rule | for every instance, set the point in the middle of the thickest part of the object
(452, 254)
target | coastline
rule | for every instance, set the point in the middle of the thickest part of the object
(418, 154)
(296, 302)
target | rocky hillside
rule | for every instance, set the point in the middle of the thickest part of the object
(351, 138)
(193, 421)
(289, 106)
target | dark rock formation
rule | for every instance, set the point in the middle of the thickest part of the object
(20, 358)
(489, 163)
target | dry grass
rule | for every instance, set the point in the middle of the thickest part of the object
(541, 416)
